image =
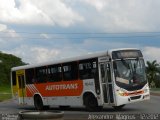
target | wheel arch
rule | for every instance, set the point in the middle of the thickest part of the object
(38, 94)
(86, 93)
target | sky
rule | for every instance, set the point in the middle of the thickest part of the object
(45, 30)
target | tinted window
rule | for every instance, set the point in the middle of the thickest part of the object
(54, 73)
(88, 69)
(70, 71)
(41, 74)
(30, 76)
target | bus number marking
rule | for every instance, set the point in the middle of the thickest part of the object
(89, 84)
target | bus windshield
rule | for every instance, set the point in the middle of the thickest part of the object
(130, 73)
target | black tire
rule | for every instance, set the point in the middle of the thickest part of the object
(38, 103)
(118, 107)
(91, 103)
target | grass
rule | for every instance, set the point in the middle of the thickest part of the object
(5, 92)
(155, 89)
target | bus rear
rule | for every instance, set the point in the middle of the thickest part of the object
(130, 81)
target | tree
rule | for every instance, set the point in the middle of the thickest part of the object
(7, 61)
(157, 81)
(152, 71)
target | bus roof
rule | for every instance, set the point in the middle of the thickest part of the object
(87, 56)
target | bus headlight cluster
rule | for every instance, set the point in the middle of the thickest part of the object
(122, 92)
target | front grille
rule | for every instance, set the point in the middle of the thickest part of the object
(135, 97)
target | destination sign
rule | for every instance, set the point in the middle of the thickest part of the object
(126, 54)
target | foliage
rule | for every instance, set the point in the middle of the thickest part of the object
(157, 81)
(5, 96)
(155, 89)
(5, 92)
(153, 71)
(5, 88)
(7, 61)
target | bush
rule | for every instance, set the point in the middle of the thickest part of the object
(7, 61)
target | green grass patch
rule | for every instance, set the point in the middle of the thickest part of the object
(5, 92)
(155, 89)
(5, 89)
(5, 97)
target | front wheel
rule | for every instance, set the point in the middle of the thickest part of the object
(91, 103)
(118, 107)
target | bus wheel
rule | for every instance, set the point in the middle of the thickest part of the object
(38, 103)
(118, 107)
(90, 103)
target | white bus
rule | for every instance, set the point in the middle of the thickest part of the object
(111, 78)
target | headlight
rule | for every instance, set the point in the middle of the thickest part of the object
(122, 92)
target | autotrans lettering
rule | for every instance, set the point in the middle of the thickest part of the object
(62, 87)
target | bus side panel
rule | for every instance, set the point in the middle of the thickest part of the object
(64, 88)
(56, 93)
(89, 86)
(74, 100)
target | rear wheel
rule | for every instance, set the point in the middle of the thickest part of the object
(118, 107)
(38, 103)
(91, 103)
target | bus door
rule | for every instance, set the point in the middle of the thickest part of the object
(21, 85)
(105, 69)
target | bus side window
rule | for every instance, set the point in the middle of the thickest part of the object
(70, 71)
(88, 69)
(30, 77)
(55, 73)
(41, 74)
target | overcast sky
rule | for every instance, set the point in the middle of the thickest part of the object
(45, 30)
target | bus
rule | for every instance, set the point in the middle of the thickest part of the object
(110, 78)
